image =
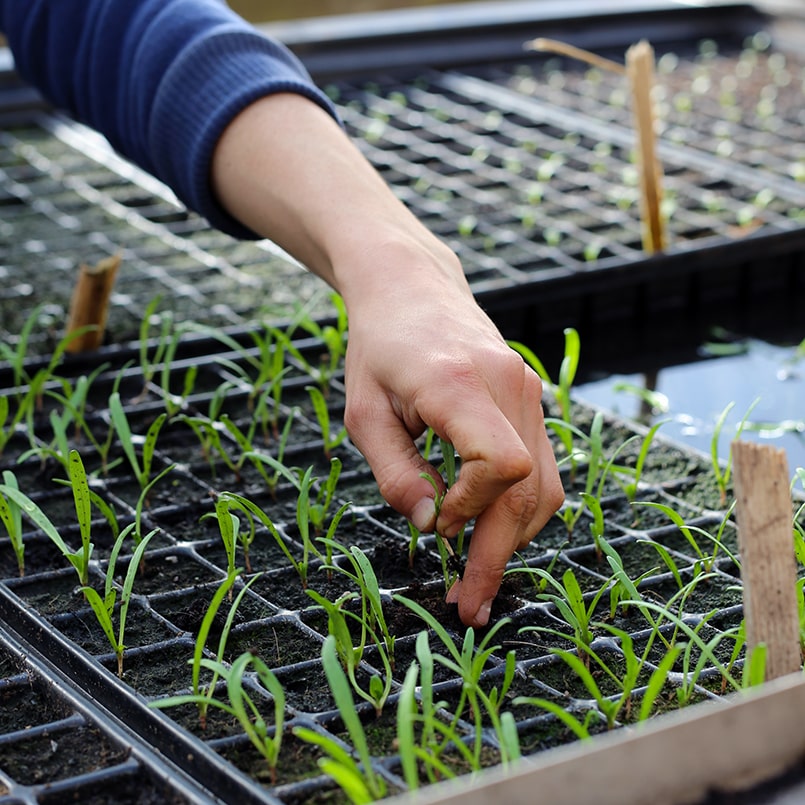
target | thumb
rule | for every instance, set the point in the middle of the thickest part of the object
(395, 461)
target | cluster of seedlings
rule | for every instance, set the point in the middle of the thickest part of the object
(628, 604)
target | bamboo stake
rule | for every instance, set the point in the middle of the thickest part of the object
(89, 306)
(768, 565)
(640, 69)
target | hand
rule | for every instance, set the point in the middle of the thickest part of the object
(421, 352)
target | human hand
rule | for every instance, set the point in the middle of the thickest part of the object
(422, 353)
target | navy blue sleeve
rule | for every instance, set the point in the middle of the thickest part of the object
(161, 79)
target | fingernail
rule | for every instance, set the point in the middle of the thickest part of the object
(423, 514)
(484, 611)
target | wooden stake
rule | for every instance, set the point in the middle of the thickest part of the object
(90, 303)
(640, 69)
(768, 564)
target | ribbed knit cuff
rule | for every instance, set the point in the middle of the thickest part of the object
(228, 70)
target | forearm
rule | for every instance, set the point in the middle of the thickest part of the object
(306, 186)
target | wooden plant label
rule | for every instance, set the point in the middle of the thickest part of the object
(768, 564)
(90, 303)
(640, 69)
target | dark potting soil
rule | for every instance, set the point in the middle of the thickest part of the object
(28, 704)
(60, 754)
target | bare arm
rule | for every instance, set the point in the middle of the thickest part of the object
(421, 352)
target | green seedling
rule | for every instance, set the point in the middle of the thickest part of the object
(103, 446)
(467, 224)
(260, 373)
(540, 582)
(421, 735)
(579, 727)
(149, 363)
(16, 358)
(707, 650)
(9, 423)
(359, 781)
(312, 509)
(301, 566)
(468, 662)
(66, 423)
(334, 338)
(452, 560)
(599, 468)
(331, 440)
(175, 403)
(351, 655)
(631, 485)
(622, 587)
(203, 695)
(593, 504)
(705, 560)
(11, 516)
(609, 708)
(722, 473)
(83, 499)
(407, 745)
(83, 510)
(363, 576)
(210, 430)
(104, 607)
(240, 704)
(562, 388)
(568, 599)
(120, 423)
(229, 527)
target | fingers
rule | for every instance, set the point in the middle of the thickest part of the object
(507, 525)
(508, 479)
(497, 440)
(388, 446)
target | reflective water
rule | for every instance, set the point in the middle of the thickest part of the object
(694, 396)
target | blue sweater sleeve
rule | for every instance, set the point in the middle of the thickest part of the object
(161, 79)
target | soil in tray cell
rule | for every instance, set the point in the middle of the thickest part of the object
(83, 629)
(52, 593)
(160, 670)
(284, 590)
(276, 642)
(58, 755)
(297, 761)
(40, 555)
(174, 489)
(264, 553)
(167, 572)
(128, 787)
(27, 705)
(187, 610)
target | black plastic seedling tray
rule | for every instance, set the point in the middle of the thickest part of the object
(43, 611)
